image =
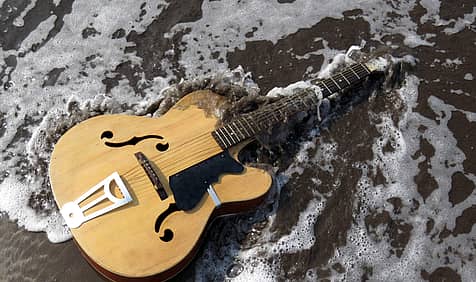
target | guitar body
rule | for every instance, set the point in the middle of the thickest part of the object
(149, 237)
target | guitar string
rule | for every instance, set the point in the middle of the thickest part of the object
(177, 147)
(268, 113)
(140, 179)
(202, 139)
(263, 116)
(260, 118)
(196, 140)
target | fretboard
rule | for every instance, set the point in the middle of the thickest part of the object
(251, 124)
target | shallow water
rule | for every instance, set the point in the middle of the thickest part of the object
(383, 192)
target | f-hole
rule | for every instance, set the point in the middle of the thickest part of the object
(161, 147)
(168, 234)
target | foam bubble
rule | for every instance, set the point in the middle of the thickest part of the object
(399, 169)
(460, 23)
(36, 112)
(468, 76)
(14, 200)
(220, 35)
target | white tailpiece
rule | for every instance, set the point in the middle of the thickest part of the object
(74, 214)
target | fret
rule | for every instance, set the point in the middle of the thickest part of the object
(339, 81)
(244, 128)
(243, 136)
(285, 105)
(234, 132)
(300, 105)
(350, 76)
(353, 71)
(290, 103)
(300, 100)
(257, 120)
(255, 116)
(262, 115)
(297, 107)
(224, 136)
(348, 82)
(280, 113)
(338, 86)
(362, 72)
(222, 141)
(248, 123)
(330, 92)
(365, 68)
(234, 138)
(331, 85)
(305, 97)
(266, 117)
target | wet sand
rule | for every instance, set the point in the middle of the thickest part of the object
(28, 256)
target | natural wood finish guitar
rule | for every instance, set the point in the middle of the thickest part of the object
(155, 227)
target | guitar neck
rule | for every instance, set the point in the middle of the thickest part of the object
(251, 124)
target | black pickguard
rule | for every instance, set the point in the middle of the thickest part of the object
(189, 185)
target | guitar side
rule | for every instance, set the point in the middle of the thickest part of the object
(123, 244)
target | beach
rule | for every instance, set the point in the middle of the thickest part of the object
(382, 191)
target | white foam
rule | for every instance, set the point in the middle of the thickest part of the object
(452, 62)
(41, 112)
(226, 34)
(399, 170)
(379, 64)
(14, 201)
(433, 9)
(459, 92)
(302, 237)
(46, 112)
(337, 62)
(261, 262)
(468, 76)
(461, 23)
(413, 40)
(19, 21)
(288, 90)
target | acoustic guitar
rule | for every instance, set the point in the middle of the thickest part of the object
(138, 192)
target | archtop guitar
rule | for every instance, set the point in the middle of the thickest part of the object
(138, 192)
